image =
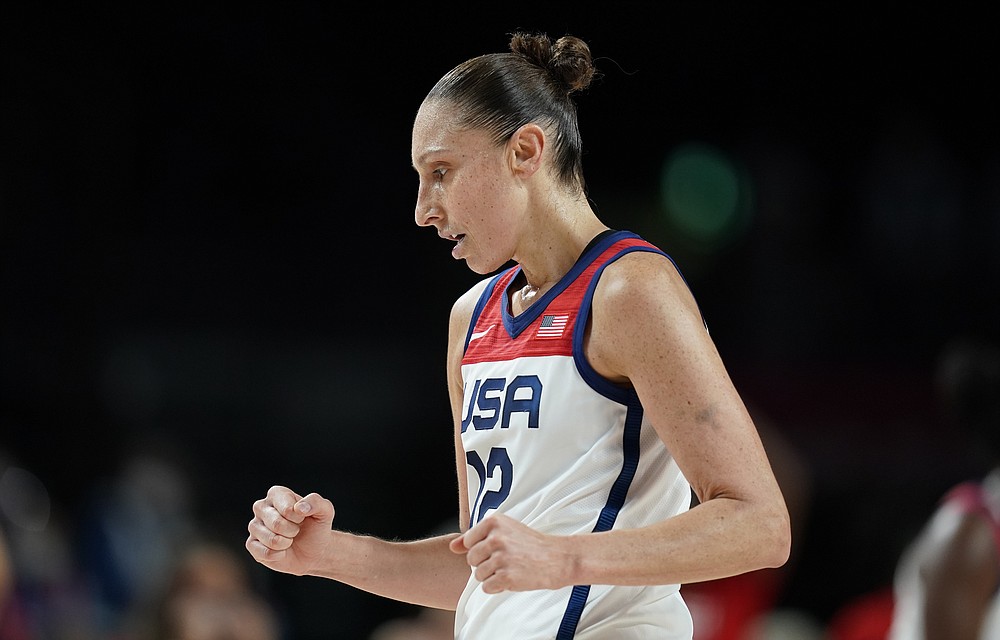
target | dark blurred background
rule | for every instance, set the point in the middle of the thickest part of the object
(211, 282)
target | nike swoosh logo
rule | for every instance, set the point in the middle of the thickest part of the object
(476, 335)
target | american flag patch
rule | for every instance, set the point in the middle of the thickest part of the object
(552, 326)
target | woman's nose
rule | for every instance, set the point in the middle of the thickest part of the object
(425, 212)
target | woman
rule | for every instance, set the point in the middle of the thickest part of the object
(588, 398)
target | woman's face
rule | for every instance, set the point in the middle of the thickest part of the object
(468, 191)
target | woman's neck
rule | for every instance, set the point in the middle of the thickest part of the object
(553, 245)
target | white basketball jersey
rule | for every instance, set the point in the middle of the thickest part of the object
(551, 443)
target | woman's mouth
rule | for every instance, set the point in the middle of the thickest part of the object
(459, 241)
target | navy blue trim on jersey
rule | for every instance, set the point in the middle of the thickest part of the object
(597, 382)
(609, 514)
(570, 619)
(480, 305)
(630, 437)
(516, 324)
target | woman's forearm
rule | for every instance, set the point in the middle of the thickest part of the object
(716, 539)
(422, 572)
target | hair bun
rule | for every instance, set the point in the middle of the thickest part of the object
(568, 59)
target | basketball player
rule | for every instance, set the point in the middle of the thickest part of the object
(947, 583)
(588, 397)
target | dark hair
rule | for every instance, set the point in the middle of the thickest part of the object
(500, 92)
(968, 381)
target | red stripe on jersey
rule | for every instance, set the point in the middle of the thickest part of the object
(490, 340)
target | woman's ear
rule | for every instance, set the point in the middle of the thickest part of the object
(527, 146)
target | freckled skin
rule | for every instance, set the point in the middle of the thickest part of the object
(474, 196)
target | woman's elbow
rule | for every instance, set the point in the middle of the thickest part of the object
(777, 545)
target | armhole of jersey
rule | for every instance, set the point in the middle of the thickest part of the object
(480, 305)
(600, 384)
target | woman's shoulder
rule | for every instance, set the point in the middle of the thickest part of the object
(640, 276)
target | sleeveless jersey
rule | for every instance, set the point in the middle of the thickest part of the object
(552, 444)
(967, 498)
